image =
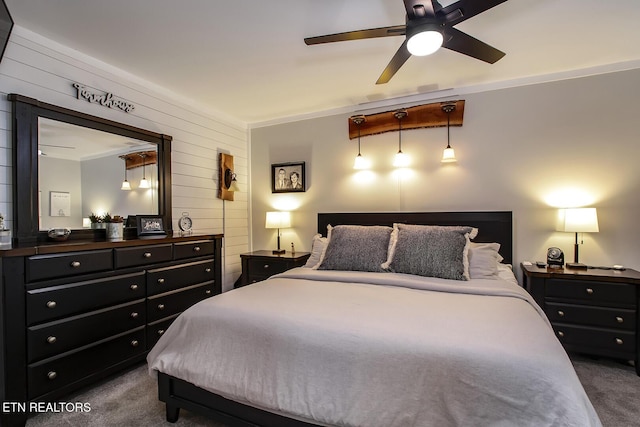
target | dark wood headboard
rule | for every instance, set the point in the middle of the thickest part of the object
(492, 226)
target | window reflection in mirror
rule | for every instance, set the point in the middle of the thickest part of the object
(81, 171)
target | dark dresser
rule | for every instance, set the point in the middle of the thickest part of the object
(75, 313)
(592, 311)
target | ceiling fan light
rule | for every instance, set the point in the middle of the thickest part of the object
(425, 42)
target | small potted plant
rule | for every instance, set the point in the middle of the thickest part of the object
(97, 221)
(114, 225)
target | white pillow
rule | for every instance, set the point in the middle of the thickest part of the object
(318, 243)
(483, 260)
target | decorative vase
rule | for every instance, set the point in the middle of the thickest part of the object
(115, 231)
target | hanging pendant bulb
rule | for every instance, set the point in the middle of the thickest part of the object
(126, 186)
(360, 162)
(143, 182)
(401, 160)
(448, 155)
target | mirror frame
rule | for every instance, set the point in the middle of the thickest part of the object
(26, 112)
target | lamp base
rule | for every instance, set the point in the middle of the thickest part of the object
(576, 265)
(278, 251)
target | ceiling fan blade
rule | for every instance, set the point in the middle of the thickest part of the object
(401, 56)
(469, 9)
(396, 30)
(463, 43)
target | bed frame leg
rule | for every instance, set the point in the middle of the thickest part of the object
(173, 412)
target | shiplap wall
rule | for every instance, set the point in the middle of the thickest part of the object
(44, 69)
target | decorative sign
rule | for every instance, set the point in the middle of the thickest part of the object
(105, 99)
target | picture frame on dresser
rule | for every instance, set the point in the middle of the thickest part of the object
(149, 226)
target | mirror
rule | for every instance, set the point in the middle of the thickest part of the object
(68, 165)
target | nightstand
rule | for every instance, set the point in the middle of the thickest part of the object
(592, 311)
(260, 265)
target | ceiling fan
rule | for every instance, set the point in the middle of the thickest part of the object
(428, 27)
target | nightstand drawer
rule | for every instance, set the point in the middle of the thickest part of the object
(266, 268)
(596, 292)
(616, 318)
(608, 340)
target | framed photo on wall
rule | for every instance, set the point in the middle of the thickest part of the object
(288, 177)
(59, 203)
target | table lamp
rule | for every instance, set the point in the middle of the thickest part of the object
(278, 220)
(579, 220)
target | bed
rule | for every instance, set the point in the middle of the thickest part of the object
(367, 336)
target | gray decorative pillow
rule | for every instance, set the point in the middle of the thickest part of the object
(356, 248)
(431, 250)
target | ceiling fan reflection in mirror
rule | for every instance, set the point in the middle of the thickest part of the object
(42, 153)
(429, 26)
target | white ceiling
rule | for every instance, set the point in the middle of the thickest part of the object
(247, 59)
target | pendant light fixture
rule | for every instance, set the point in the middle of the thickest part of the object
(143, 182)
(360, 162)
(401, 160)
(126, 186)
(448, 155)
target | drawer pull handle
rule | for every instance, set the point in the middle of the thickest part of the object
(147, 255)
(560, 334)
(134, 315)
(133, 287)
(196, 249)
(52, 340)
(160, 331)
(52, 375)
(265, 266)
(619, 341)
(160, 306)
(160, 281)
(207, 270)
(51, 304)
(208, 292)
(589, 291)
(560, 313)
(134, 343)
(619, 319)
(75, 264)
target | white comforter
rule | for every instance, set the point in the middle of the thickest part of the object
(379, 349)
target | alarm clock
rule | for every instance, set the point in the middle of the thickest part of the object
(555, 257)
(185, 223)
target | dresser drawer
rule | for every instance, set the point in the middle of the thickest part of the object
(170, 278)
(56, 337)
(54, 302)
(259, 268)
(607, 340)
(156, 329)
(594, 292)
(143, 255)
(171, 303)
(56, 372)
(40, 267)
(606, 317)
(192, 249)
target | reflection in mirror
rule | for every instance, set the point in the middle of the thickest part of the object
(81, 170)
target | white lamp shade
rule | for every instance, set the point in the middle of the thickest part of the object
(144, 183)
(401, 160)
(360, 162)
(579, 220)
(278, 220)
(448, 155)
(125, 185)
